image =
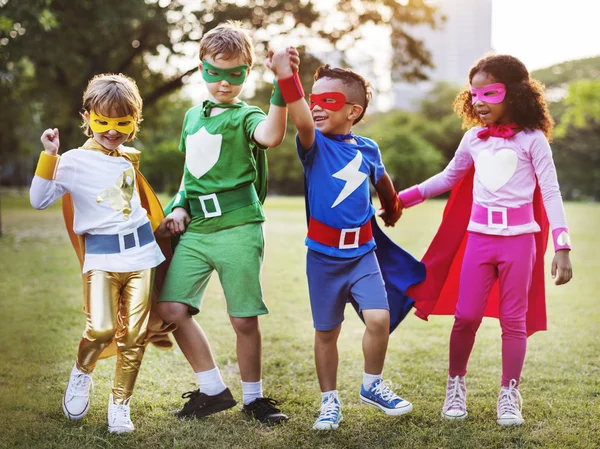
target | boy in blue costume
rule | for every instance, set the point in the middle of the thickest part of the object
(341, 260)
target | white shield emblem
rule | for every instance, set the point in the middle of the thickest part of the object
(495, 170)
(202, 151)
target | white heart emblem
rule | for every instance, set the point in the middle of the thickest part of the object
(202, 151)
(495, 170)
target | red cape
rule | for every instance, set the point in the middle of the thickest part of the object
(438, 293)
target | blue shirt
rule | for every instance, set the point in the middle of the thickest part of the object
(337, 174)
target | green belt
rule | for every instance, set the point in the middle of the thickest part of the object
(216, 204)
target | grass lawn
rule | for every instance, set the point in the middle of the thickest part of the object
(42, 322)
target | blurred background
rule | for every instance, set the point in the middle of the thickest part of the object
(415, 53)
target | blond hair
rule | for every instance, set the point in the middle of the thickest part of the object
(228, 41)
(111, 93)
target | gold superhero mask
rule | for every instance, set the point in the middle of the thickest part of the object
(101, 124)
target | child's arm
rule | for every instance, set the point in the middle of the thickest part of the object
(456, 169)
(178, 219)
(270, 132)
(391, 209)
(541, 158)
(44, 188)
(283, 63)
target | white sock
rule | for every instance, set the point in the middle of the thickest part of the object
(210, 382)
(251, 391)
(368, 379)
(325, 395)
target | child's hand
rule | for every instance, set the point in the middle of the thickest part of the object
(50, 141)
(177, 221)
(281, 64)
(390, 218)
(163, 229)
(562, 264)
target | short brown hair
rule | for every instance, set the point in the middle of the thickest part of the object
(116, 93)
(358, 87)
(229, 40)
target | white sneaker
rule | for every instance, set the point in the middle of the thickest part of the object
(76, 400)
(455, 405)
(330, 415)
(510, 404)
(119, 420)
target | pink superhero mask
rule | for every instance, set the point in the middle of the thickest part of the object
(493, 93)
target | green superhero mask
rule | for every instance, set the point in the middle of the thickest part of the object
(235, 75)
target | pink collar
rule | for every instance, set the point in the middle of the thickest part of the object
(498, 130)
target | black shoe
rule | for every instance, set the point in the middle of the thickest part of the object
(200, 404)
(264, 410)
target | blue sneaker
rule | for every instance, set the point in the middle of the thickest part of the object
(380, 396)
(330, 415)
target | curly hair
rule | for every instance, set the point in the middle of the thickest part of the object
(357, 85)
(524, 95)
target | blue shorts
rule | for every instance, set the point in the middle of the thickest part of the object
(333, 281)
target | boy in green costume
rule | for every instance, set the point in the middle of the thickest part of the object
(219, 207)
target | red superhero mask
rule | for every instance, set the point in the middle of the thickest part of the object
(332, 101)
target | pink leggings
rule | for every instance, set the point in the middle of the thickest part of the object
(488, 257)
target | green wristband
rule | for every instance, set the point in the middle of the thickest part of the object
(180, 200)
(276, 97)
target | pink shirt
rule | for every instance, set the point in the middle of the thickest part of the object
(505, 176)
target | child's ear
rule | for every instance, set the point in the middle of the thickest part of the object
(200, 66)
(355, 112)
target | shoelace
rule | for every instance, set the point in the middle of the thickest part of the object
(79, 387)
(190, 394)
(330, 409)
(266, 404)
(510, 400)
(121, 414)
(455, 396)
(384, 391)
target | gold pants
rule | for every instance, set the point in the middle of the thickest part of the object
(117, 306)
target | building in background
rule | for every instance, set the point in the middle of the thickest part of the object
(464, 38)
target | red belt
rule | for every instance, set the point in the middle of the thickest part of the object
(340, 238)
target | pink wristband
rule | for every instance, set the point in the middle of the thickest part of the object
(291, 88)
(561, 238)
(411, 196)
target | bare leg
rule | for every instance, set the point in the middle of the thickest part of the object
(326, 357)
(248, 347)
(189, 336)
(375, 339)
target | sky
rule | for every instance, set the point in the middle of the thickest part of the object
(545, 32)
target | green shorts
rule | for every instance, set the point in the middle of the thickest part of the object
(235, 253)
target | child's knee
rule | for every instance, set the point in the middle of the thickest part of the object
(377, 320)
(172, 312)
(101, 334)
(244, 325)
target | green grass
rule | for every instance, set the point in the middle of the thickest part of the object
(42, 322)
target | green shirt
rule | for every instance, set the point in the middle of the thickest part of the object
(218, 158)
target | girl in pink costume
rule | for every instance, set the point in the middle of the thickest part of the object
(509, 150)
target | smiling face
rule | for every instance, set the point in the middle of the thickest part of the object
(104, 129)
(223, 91)
(334, 122)
(489, 113)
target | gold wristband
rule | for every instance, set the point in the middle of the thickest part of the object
(46, 167)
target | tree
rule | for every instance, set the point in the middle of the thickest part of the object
(582, 106)
(51, 48)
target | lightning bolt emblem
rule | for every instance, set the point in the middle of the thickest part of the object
(353, 177)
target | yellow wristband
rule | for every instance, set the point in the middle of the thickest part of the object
(46, 167)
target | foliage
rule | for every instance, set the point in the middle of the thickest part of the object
(51, 48)
(582, 105)
(566, 72)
